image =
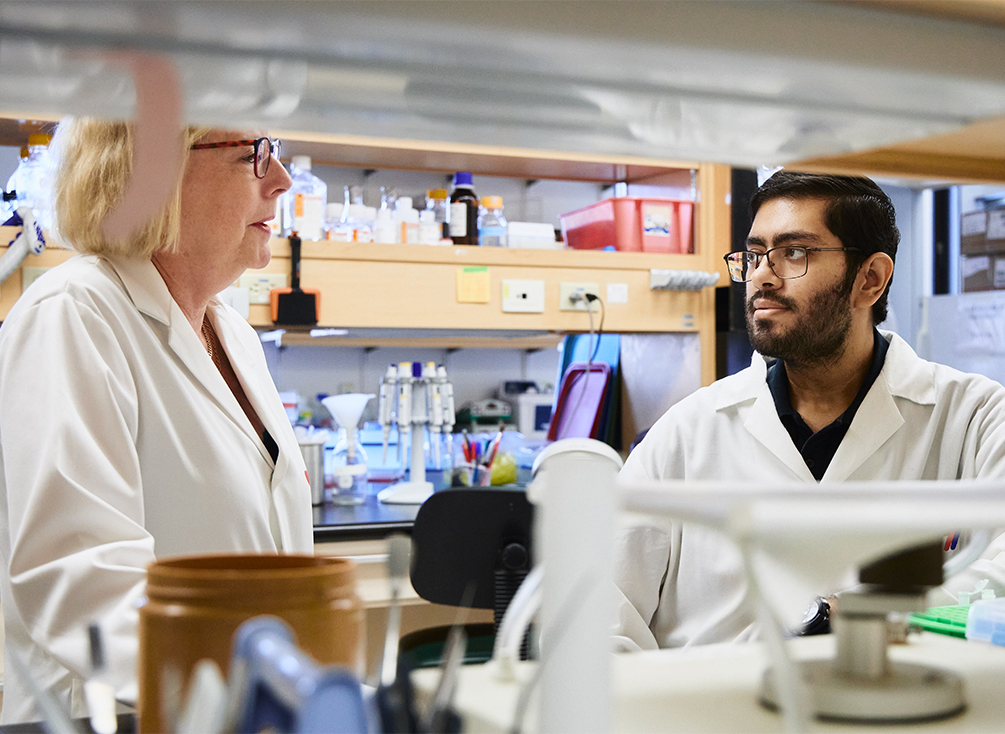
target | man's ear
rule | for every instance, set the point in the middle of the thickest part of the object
(873, 276)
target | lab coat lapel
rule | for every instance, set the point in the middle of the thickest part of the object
(289, 475)
(151, 297)
(764, 425)
(876, 420)
(762, 420)
(904, 376)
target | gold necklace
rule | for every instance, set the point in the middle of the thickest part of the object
(209, 340)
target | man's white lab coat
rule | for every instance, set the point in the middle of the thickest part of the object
(120, 443)
(920, 420)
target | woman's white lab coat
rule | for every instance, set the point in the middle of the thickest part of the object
(120, 442)
(920, 420)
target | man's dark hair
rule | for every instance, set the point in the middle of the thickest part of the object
(858, 213)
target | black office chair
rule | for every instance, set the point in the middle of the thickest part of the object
(475, 543)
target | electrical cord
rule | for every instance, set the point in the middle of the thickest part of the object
(591, 351)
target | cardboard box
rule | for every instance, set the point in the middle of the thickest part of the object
(973, 229)
(995, 234)
(977, 272)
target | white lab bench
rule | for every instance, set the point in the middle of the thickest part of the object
(713, 688)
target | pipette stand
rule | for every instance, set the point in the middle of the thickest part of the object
(416, 490)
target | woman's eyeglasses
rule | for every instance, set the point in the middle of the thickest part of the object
(265, 151)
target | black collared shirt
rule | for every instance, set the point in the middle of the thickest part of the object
(818, 448)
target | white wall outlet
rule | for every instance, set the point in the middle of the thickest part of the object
(572, 296)
(523, 296)
(259, 285)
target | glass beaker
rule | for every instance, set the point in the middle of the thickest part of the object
(348, 469)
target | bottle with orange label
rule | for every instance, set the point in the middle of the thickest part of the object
(304, 204)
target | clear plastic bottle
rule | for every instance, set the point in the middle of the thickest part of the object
(333, 220)
(33, 180)
(438, 202)
(9, 203)
(304, 204)
(463, 210)
(491, 222)
(408, 221)
(429, 229)
(361, 218)
(337, 220)
(384, 229)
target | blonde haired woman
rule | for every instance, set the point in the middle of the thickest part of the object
(137, 416)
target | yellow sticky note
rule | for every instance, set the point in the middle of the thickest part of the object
(473, 284)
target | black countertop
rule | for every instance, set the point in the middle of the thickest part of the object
(372, 520)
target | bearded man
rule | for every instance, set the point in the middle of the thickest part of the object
(828, 396)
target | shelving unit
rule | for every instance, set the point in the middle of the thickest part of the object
(394, 290)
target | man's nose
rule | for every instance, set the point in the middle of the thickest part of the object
(763, 276)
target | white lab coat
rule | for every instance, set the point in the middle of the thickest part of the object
(120, 443)
(920, 420)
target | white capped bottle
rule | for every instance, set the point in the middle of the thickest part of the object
(304, 207)
(430, 230)
(385, 230)
(408, 221)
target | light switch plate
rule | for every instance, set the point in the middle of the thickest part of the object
(260, 284)
(523, 296)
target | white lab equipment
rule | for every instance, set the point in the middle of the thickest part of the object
(29, 240)
(348, 465)
(573, 490)
(795, 541)
(422, 397)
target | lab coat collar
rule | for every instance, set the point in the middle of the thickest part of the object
(151, 297)
(145, 286)
(904, 376)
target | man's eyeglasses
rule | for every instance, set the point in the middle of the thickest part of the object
(785, 262)
(265, 151)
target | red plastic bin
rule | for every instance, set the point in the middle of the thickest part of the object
(631, 224)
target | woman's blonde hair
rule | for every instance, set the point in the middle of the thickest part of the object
(94, 163)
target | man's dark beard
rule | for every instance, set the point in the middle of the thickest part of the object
(819, 334)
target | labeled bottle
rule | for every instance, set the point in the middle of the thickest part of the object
(491, 222)
(408, 221)
(385, 231)
(33, 180)
(438, 202)
(333, 223)
(361, 218)
(429, 229)
(9, 203)
(463, 211)
(304, 207)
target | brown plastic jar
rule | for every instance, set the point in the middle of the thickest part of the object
(195, 604)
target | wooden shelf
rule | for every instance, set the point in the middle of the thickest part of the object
(416, 338)
(414, 287)
(417, 155)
